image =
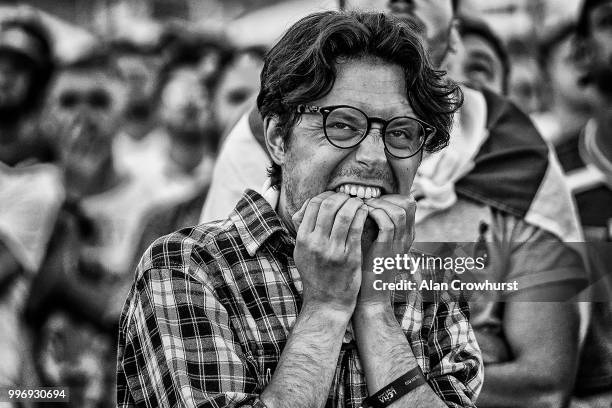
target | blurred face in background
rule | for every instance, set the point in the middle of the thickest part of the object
(84, 113)
(185, 106)
(15, 78)
(238, 83)
(481, 64)
(564, 76)
(140, 73)
(526, 84)
(435, 18)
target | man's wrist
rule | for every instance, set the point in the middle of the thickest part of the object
(373, 309)
(334, 313)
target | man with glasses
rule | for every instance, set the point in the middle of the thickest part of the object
(270, 307)
(494, 183)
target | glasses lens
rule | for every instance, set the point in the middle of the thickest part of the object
(345, 126)
(404, 136)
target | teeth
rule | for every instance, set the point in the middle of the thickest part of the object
(359, 191)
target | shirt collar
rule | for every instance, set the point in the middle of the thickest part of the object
(257, 221)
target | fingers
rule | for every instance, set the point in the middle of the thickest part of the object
(394, 215)
(386, 227)
(299, 215)
(309, 218)
(353, 238)
(327, 213)
(407, 203)
(344, 220)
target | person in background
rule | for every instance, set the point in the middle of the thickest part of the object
(70, 303)
(526, 85)
(185, 107)
(139, 65)
(190, 131)
(586, 157)
(26, 65)
(571, 103)
(184, 141)
(237, 84)
(486, 61)
(31, 189)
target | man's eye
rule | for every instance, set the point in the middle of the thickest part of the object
(341, 126)
(398, 134)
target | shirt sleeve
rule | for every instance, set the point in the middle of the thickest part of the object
(177, 349)
(456, 367)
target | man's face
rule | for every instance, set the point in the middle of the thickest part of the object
(435, 16)
(482, 65)
(312, 165)
(140, 73)
(15, 80)
(185, 104)
(565, 75)
(85, 108)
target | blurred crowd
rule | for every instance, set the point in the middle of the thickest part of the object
(105, 152)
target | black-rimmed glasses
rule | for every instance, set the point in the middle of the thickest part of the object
(346, 126)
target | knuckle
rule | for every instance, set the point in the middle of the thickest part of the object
(401, 217)
(316, 201)
(386, 228)
(355, 228)
(301, 237)
(327, 205)
(344, 219)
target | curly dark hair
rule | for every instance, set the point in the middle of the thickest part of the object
(301, 68)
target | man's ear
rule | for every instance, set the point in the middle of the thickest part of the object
(274, 140)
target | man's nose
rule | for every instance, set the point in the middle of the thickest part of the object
(371, 151)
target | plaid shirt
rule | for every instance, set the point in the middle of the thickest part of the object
(212, 306)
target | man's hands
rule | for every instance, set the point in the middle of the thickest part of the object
(330, 253)
(328, 249)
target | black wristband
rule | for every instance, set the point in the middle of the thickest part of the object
(396, 390)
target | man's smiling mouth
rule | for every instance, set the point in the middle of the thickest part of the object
(359, 191)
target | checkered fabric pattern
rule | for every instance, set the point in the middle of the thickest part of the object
(212, 307)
